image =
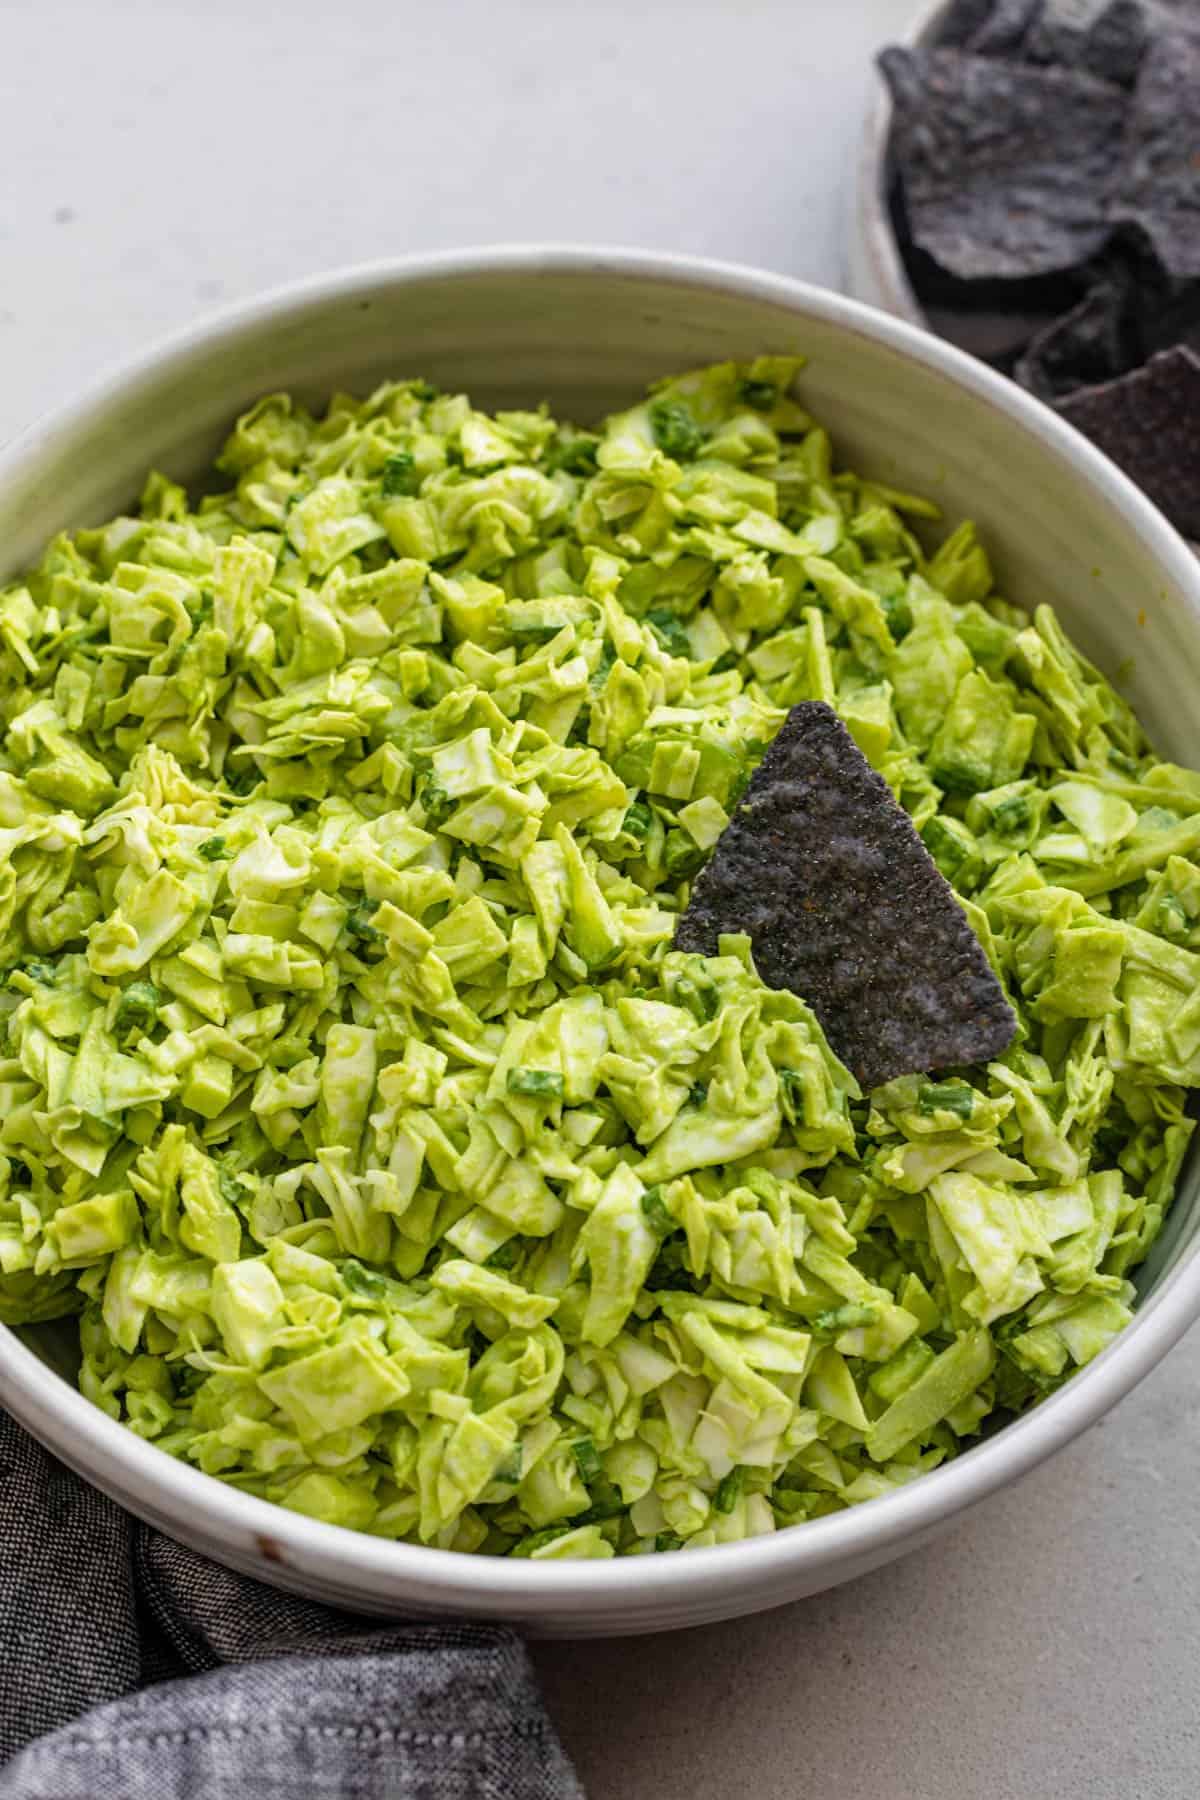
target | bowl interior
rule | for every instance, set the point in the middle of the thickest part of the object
(587, 340)
(585, 334)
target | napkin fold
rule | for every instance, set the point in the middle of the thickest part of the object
(135, 1669)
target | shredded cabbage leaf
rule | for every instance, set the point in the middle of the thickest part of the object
(351, 1093)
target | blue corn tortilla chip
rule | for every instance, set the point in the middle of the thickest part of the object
(1132, 309)
(1007, 170)
(1159, 187)
(1096, 341)
(1105, 38)
(843, 905)
(989, 213)
(961, 21)
(1109, 44)
(1004, 29)
(1147, 422)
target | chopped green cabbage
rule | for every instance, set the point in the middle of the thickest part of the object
(351, 1093)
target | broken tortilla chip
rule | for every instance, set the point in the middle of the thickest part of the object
(843, 905)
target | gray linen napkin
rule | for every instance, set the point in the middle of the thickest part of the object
(198, 1684)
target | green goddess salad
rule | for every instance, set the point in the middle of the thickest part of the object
(355, 1100)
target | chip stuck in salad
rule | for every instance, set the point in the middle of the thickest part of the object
(400, 1158)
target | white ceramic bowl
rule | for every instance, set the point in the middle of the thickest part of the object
(586, 329)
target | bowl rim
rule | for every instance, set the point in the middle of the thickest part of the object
(114, 1457)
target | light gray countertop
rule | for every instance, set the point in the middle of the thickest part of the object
(160, 157)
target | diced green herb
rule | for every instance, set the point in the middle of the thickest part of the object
(675, 430)
(606, 1504)
(699, 995)
(399, 477)
(656, 1212)
(508, 1469)
(575, 453)
(537, 1539)
(367, 1284)
(540, 1084)
(683, 855)
(761, 395)
(669, 1273)
(845, 1318)
(729, 1490)
(506, 1257)
(359, 923)
(670, 631)
(586, 1460)
(946, 1097)
(43, 973)
(898, 614)
(138, 1006)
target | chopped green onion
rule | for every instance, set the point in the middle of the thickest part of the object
(675, 430)
(399, 476)
(946, 1097)
(586, 1460)
(657, 1216)
(761, 395)
(729, 1490)
(542, 1084)
(138, 1006)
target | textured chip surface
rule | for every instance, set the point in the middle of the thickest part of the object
(1160, 179)
(1007, 169)
(1147, 423)
(1096, 341)
(1109, 44)
(1045, 197)
(826, 874)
